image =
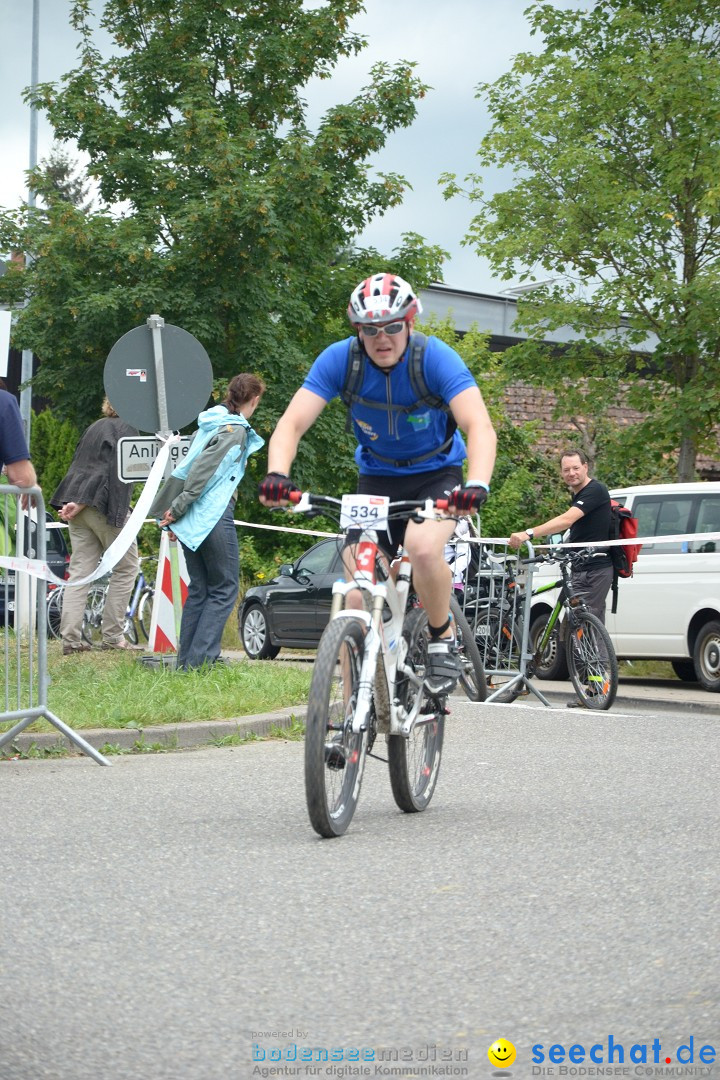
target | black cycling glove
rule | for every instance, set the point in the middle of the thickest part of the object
(467, 499)
(276, 486)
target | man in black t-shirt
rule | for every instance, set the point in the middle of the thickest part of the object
(588, 520)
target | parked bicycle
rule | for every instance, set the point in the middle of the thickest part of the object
(137, 617)
(368, 676)
(591, 661)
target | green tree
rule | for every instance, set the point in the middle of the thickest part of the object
(52, 445)
(58, 178)
(220, 208)
(612, 135)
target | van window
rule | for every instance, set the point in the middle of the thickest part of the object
(708, 521)
(660, 515)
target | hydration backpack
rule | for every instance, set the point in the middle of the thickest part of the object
(623, 526)
(355, 374)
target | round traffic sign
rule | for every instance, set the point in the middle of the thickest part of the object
(131, 383)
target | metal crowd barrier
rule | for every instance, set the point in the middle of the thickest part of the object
(496, 595)
(23, 623)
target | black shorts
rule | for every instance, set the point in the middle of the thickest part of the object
(428, 485)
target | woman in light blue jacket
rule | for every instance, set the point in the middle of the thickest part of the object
(197, 504)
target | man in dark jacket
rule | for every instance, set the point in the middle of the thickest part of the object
(588, 519)
(96, 504)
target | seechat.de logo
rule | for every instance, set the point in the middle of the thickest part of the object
(614, 1053)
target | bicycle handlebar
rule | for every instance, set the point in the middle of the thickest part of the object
(396, 509)
(560, 557)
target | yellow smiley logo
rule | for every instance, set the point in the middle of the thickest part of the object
(501, 1053)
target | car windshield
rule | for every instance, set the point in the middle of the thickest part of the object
(318, 560)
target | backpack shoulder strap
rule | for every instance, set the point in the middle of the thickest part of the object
(416, 372)
(354, 373)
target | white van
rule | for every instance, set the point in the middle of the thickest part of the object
(670, 608)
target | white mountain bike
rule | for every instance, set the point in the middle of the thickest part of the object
(368, 677)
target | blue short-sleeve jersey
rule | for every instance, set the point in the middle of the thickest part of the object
(388, 431)
(13, 446)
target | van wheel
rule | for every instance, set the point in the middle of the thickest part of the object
(553, 663)
(684, 669)
(706, 656)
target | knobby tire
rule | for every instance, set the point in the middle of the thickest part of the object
(472, 679)
(332, 793)
(591, 661)
(415, 762)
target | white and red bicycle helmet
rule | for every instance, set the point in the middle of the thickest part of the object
(382, 298)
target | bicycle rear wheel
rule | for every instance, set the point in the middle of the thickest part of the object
(54, 612)
(92, 619)
(591, 661)
(472, 679)
(415, 761)
(144, 611)
(130, 630)
(334, 754)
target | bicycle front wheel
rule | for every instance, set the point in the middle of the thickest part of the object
(472, 679)
(591, 661)
(334, 754)
(415, 761)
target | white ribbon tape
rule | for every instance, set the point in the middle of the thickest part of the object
(676, 539)
(122, 541)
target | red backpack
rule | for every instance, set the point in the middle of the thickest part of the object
(623, 526)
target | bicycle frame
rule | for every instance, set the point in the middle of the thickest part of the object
(566, 600)
(381, 637)
(556, 613)
(386, 638)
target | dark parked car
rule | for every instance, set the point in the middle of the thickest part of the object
(57, 559)
(293, 609)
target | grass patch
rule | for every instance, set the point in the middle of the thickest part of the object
(646, 669)
(294, 733)
(15, 753)
(114, 690)
(238, 739)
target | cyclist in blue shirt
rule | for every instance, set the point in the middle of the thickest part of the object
(407, 448)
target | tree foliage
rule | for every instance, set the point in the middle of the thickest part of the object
(59, 178)
(612, 135)
(220, 208)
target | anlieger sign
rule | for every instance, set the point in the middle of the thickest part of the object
(136, 456)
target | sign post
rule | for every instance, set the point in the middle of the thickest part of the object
(158, 378)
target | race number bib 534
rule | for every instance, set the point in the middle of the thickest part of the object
(364, 512)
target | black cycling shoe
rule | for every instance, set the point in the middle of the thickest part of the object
(334, 757)
(443, 666)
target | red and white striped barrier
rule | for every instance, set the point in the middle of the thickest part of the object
(171, 588)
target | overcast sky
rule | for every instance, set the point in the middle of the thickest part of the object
(456, 43)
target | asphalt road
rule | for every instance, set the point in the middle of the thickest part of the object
(175, 918)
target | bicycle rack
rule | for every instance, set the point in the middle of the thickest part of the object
(496, 600)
